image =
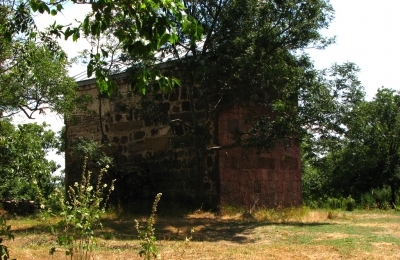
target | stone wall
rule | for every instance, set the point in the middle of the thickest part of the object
(152, 156)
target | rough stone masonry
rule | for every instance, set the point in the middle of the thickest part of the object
(153, 157)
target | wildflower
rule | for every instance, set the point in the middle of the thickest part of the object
(105, 185)
(90, 188)
(76, 184)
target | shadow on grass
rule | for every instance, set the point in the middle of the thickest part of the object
(206, 229)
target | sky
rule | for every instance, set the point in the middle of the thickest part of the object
(367, 34)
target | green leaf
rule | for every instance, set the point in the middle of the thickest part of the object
(173, 38)
(75, 35)
(104, 53)
(102, 85)
(34, 5)
(68, 32)
(90, 69)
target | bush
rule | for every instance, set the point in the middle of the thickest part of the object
(367, 201)
(334, 203)
(376, 199)
(350, 203)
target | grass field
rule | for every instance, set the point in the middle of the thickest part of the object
(267, 234)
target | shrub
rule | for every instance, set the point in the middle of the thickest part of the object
(378, 198)
(367, 201)
(334, 203)
(350, 204)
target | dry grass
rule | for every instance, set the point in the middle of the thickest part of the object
(269, 234)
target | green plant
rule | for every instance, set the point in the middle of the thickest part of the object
(334, 203)
(4, 232)
(350, 203)
(367, 201)
(147, 237)
(25, 172)
(81, 213)
(377, 198)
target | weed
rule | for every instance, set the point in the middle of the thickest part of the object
(81, 215)
(147, 237)
(4, 232)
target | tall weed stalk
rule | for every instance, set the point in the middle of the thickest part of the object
(148, 248)
(81, 214)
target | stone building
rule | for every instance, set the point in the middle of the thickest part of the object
(153, 156)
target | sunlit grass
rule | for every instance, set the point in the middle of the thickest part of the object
(295, 233)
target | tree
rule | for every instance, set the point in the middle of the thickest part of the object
(327, 113)
(228, 52)
(33, 78)
(367, 155)
(143, 27)
(33, 72)
(253, 53)
(25, 173)
(36, 81)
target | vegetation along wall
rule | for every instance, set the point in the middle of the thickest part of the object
(153, 147)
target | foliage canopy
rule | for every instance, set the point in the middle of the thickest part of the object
(25, 172)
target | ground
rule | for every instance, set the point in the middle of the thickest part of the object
(270, 234)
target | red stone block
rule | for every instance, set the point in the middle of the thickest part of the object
(285, 186)
(227, 175)
(272, 175)
(271, 186)
(264, 174)
(286, 175)
(226, 187)
(296, 175)
(264, 186)
(252, 162)
(245, 173)
(299, 187)
(243, 187)
(258, 175)
(290, 163)
(235, 187)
